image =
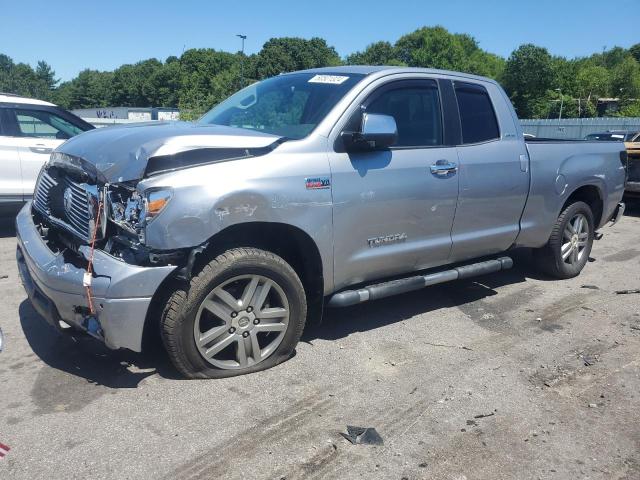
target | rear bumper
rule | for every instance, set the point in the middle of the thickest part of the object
(122, 292)
(632, 187)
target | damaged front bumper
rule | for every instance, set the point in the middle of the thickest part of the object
(122, 292)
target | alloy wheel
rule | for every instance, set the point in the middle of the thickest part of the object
(575, 239)
(241, 322)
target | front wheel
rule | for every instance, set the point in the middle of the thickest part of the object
(567, 251)
(243, 312)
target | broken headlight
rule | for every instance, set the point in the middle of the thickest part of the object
(154, 202)
(133, 211)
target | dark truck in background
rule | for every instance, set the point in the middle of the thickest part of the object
(313, 189)
(631, 141)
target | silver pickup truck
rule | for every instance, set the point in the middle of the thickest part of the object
(326, 187)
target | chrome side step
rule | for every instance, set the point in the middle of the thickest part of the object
(403, 285)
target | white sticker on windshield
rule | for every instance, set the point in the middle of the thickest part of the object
(332, 79)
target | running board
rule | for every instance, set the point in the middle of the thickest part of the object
(403, 285)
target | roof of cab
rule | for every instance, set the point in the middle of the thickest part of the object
(388, 69)
(11, 98)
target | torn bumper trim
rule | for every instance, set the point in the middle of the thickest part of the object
(122, 292)
(618, 213)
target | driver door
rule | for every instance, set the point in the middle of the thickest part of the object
(393, 209)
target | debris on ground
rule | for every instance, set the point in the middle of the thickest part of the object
(592, 405)
(483, 415)
(588, 360)
(625, 292)
(4, 449)
(448, 346)
(415, 389)
(2, 277)
(590, 287)
(362, 436)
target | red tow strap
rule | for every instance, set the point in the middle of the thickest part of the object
(88, 276)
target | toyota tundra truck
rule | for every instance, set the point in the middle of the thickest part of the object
(313, 189)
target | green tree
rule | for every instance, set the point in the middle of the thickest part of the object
(630, 109)
(21, 79)
(592, 81)
(634, 50)
(207, 77)
(287, 54)
(132, 86)
(89, 89)
(45, 74)
(378, 53)
(433, 47)
(436, 47)
(625, 79)
(528, 75)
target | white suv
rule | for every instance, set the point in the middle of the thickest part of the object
(29, 130)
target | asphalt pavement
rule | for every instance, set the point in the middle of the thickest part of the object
(511, 375)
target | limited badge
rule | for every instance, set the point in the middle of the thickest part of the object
(317, 183)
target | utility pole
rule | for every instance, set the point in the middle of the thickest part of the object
(243, 37)
(561, 102)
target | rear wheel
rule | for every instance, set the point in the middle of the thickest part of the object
(567, 251)
(244, 312)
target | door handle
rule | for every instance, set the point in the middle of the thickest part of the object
(443, 168)
(42, 149)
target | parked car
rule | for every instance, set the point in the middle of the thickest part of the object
(632, 145)
(325, 187)
(614, 136)
(29, 131)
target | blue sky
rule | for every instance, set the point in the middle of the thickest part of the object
(72, 35)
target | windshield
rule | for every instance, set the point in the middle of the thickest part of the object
(288, 105)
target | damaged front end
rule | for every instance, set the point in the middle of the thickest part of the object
(73, 207)
(82, 255)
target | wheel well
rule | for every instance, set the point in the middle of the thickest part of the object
(590, 195)
(294, 245)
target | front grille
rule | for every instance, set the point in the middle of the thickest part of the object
(41, 197)
(66, 203)
(77, 211)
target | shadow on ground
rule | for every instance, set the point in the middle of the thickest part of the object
(7, 226)
(85, 357)
(632, 207)
(342, 322)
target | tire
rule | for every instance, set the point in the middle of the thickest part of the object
(243, 312)
(575, 247)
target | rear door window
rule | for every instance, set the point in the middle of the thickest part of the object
(477, 117)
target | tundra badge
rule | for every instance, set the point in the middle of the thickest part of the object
(386, 239)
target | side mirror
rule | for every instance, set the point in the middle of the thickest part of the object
(377, 131)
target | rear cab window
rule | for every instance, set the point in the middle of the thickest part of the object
(477, 117)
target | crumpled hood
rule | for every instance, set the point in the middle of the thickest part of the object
(121, 154)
